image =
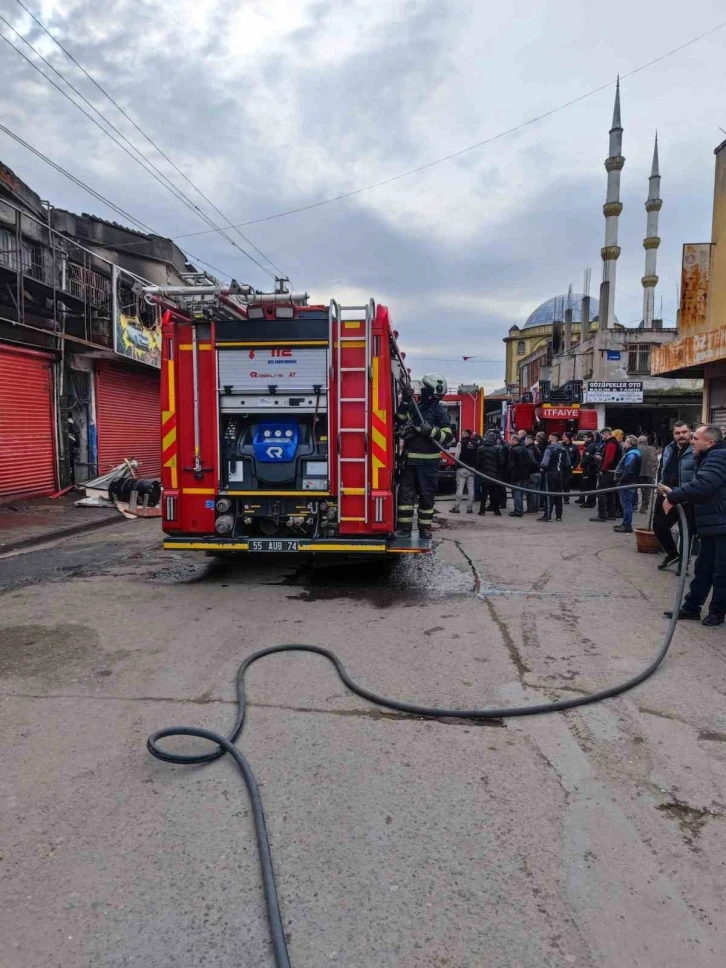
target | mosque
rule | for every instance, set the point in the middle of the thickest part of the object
(573, 343)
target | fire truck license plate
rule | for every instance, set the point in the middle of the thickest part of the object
(273, 544)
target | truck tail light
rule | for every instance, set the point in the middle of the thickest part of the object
(170, 508)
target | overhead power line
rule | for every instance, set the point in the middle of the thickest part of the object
(101, 198)
(154, 145)
(139, 158)
(473, 147)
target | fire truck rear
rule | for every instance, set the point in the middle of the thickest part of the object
(278, 423)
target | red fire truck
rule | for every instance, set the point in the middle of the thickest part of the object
(551, 418)
(466, 412)
(278, 423)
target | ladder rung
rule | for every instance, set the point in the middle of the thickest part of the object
(353, 460)
(352, 309)
(352, 399)
(352, 519)
(351, 339)
(353, 369)
(352, 430)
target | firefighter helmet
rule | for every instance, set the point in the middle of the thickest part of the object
(435, 384)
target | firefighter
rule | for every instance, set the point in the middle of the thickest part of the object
(422, 443)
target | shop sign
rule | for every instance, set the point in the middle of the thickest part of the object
(614, 391)
(551, 412)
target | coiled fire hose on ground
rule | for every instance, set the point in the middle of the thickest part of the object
(226, 744)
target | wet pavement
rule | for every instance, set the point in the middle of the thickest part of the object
(591, 838)
(24, 523)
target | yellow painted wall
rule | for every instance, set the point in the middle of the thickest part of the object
(533, 338)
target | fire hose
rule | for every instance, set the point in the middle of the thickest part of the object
(226, 744)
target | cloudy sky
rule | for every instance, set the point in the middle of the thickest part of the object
(270, 105)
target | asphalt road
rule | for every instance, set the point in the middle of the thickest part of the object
(592, 838)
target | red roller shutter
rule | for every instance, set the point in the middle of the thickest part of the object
(128, 418)
(27, 426)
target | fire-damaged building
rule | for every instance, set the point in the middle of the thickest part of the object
(80, 350)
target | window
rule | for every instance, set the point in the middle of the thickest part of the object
(7, 249)
(32, 255)
(520, 347)
(523, 378)
(33, 260)
(88, 285)
(639, 358)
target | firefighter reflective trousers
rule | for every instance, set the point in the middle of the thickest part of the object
(421, 481)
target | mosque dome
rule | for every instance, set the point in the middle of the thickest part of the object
(544, 314)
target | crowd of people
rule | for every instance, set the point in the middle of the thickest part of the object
(548, 463)
(689, 471)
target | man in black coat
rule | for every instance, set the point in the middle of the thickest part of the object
(490, 460)
(540, 443)
(677, 467)
(573, 452)
(465, 452)
(707, 491)
(589, 470)
(518, 471)
(535, 477)
(555, 461)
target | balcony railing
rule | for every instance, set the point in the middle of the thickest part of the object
(88, 285)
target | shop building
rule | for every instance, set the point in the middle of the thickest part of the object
(79, 349)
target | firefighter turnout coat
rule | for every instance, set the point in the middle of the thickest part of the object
(421, 449)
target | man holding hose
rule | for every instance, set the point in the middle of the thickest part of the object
(707, 492)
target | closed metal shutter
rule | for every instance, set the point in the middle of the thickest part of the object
(718, 418)
(128, 418)
(27, 427)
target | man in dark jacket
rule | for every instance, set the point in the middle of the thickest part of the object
(502, 491)
(573, 452)
(540, 443)
(607, 459)
(588, 482)
(422, 441)
(490, 461)
(466, 453)
(677, 467)
(628, 472)
(707, 491)
(534, 474)
(518, 467)
(554, 463)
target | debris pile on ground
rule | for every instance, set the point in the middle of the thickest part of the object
(133, 500)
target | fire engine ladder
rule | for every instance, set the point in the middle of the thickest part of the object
(350, 339)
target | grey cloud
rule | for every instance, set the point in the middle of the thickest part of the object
(365, 104)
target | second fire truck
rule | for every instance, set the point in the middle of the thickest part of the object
(466, 412)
